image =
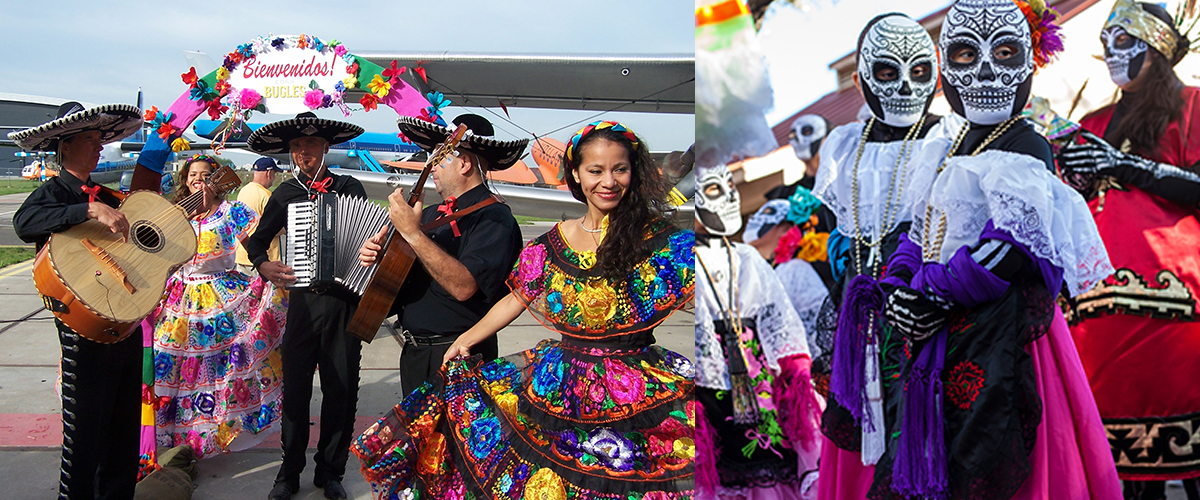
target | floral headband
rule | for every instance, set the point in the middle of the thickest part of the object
(1043, 30)
(600, 125)
(201, 157)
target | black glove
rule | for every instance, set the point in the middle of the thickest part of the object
(1080, 162)
(1093, 157)
(915, 314)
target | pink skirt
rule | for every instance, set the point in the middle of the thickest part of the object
(1071, 447)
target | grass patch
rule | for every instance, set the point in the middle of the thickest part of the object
(526, 220)
(13, 255)
(13, 186)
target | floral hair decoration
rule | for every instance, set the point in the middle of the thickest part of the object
(600, 125)
(1046, 41)
(201, 157)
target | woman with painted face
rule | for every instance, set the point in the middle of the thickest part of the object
(754, 391)
(995, 404)
(865, 180)
(1136, 332)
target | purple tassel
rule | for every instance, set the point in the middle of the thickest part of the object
(708, 448)
(860, 310)
(920, 466)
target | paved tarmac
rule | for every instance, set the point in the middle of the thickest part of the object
(30, 426)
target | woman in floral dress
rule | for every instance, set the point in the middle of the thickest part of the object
(601, 414)
(216, 335)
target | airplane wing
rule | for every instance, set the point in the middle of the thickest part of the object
(639, 83)
(530, 201)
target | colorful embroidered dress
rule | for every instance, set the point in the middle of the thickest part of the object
(216, 345)
(602, 414)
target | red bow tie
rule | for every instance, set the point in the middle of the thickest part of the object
(321, 186)
(92, 191)
(447, 208)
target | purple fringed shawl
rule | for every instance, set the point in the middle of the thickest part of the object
(859, 317)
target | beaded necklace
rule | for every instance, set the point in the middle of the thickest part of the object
(934, 248)
(891, 206)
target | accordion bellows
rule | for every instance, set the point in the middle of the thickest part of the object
(323, 239)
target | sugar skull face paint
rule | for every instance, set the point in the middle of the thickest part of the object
(718, 204)
(1123, 53)
(805, 137)
(897, 67)
(987, 60)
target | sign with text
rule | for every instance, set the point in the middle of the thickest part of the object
(284, 78)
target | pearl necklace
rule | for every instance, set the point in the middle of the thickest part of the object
(891, 206)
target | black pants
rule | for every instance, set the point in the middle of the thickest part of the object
(1157, 490)
(419, 362)
(316, 336)
(101, 413)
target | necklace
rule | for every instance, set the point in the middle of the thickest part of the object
(932, 249)
(593, 231)
(891, 205)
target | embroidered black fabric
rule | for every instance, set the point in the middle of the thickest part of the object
(761, 468)
(991, 404)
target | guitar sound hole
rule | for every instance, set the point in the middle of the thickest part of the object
(147, 236)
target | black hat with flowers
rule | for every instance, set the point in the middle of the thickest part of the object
(478, 139)
(273, 138)
(113, 121)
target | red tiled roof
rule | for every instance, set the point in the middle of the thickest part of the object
(841, 106)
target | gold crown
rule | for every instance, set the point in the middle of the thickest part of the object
(1145, 26)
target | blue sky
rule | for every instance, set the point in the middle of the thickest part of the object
(84, 51)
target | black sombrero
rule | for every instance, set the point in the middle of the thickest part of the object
(114, 121)
(273, 138)
(499, 154)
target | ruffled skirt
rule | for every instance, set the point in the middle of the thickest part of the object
(217, 368)
(554, 422)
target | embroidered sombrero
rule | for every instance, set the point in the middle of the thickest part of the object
(499, 154)
(273, 138)
(114, 121)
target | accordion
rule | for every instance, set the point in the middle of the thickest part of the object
(323, 238)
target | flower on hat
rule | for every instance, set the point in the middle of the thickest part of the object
(369, 102)
(379, 86)
(314, 98)
(249, 98)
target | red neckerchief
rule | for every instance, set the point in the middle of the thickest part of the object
(447, 208)
(321, 186)
(92, 191)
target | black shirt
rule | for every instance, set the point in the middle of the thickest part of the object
(1019, 138)
(488, 248)
(56, 205)
(274, 216)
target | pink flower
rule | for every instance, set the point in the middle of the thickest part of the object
(625, 385)
(191, 368)
(314, 98)
(250, 98)
(340, 50)
(533, 261)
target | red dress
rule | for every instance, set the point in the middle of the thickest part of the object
(1136, 333)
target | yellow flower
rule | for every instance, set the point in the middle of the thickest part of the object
(222, 74)
(507, 403)
(179, 331)
(350, 81)
(685, 448)
(813, 248)
(545, 485)
(379, 86)
(587, 259)
(599, 303)
(180, 144)
(207, 243)
(432, 448)
(558, 282)
(498, 387)
(225, 434)
(647, 271)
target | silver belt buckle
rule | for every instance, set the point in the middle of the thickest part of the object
(408, 337)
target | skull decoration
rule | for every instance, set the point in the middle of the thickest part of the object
(718, 204)
(1124, 58)
(807, 132)
(897, 67)
(988, 60)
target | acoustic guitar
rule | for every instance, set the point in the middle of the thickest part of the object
(397, 258)
(102, 287)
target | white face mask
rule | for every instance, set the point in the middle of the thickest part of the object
(899, 47)
(807, 132)
(986, 89)
(718, 204)
(1124, 59)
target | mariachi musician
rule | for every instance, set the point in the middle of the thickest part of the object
(101, 383)
(317, 316)
(464, 264)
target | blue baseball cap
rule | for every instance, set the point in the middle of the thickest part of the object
(266, 163)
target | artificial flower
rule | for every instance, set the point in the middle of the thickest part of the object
(339, 86)
(222, 74)
(379, 86)
(302, 42)
(437, 101)
(150, 113)
(317, 44)
(199, 90)
(250, 98)
(425, 115)
(190, 77)
(350, 81)
(352, 69)
(277, 43)
(393, 73)
(165, 130)
(222, 87)
(215, 109)
(236, 57)
(369, 102)
(326, 101)
(180, 144)
(339, 50)
(245, 50)
(229, 63)
(313, 98)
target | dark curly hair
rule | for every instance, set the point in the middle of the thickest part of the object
(642, 210)
(184, 189)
